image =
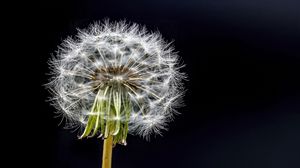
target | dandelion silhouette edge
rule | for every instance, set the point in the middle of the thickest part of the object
(116, 78)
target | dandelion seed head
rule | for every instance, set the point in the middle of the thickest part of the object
(117, 63)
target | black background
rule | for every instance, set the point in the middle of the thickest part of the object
(242, 102)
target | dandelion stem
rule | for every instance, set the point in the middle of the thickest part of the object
(107, 152)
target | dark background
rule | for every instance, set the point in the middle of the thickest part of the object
(242, 103)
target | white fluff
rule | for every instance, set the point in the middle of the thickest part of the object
(150, 75)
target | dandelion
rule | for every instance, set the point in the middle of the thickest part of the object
(116, 78)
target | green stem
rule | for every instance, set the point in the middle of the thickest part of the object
(107, 152)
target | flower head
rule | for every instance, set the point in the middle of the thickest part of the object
(116, 77)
